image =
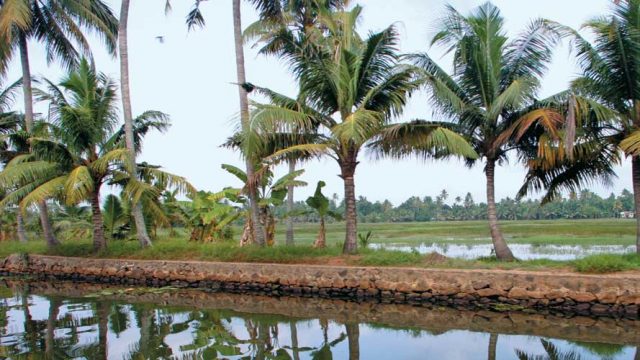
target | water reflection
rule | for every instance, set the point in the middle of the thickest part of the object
(38, 322)
(521, 251)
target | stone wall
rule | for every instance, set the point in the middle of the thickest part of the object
(612, 295)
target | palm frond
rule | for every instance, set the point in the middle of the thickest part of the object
(79, 185)
(421, 138)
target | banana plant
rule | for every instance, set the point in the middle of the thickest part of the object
(320, 204)
(210, 215)
(271, 193)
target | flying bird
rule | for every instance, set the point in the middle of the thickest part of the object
(160, 39)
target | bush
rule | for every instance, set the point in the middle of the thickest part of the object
(389, 258)
(606, 263)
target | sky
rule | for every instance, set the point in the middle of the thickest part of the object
(189, 76)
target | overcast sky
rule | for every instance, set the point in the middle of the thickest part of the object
(189, 77)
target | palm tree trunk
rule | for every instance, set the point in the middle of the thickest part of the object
(28, 120)
(351, 216)
(54, 309)
(500, 246)
(353, 336)
(99, 241)
(635, 165)
(22, 233)
(146, 329)
(30, 328)
(49, 236)
(290, 241)
(637, 356)
(141, 228)
(294, 340)
(259, 235)
(103, 329)
(493, 344)
(26, 82)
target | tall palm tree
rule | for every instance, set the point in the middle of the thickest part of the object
(138, 216)
(58, 25)
(196, 19)
(82, 155)
(491, 94)
(350, 90)
(279, 20)
(605, 99)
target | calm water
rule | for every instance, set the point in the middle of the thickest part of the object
(67, 321)
(521, 251)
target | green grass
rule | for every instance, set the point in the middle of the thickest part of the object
(606, 263)
(577, 232)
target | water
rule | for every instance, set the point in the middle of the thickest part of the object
(520, 251)
(73, 321)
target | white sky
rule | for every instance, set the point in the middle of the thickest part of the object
(189, 77)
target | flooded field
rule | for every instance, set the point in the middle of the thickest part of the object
(520, 251)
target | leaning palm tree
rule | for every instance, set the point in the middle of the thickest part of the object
(138, 216)
(606, 101)
(73, 165)
(58, 25)
(491, 94)
(350, 90)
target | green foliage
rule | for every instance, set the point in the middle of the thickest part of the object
(210, 216)
(364, 239)
(606, 263)
(60, 26)
(115, 217)
(272, 192)
(389, 258)
(584, 204)
(321, 204)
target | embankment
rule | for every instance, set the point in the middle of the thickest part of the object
(610, 295)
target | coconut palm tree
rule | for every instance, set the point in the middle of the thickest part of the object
(58, 25)
(606, 99)
(196, 19)
(491, 94)
(16, 142)
(279, 20)
(350, 90)
(79, 158)
(138, 216)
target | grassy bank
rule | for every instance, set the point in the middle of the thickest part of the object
(179, 249)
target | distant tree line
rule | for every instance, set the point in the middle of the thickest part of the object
(582, 205)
